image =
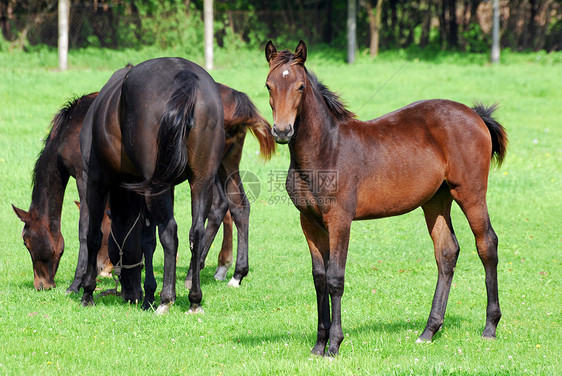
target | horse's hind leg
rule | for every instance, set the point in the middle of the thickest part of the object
(240, 209)
(437, 213)
(201, 201)
(225, 255)
(148, 242)
(476, 211)
(161, 209)
(214, 219)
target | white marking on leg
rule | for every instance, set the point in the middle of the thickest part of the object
(220, 273)
(163, 309)
(196, 311)
(234, 282)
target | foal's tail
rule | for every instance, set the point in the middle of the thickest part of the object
(246, 113)
(176, 122)
(497, 131)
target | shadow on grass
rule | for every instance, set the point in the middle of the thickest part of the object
(377, 328)
(206, 276)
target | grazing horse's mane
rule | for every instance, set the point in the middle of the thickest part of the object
(60, 118)
(331, 99)
(57, 124)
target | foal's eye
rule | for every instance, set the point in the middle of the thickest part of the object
(267, 87)
(301, 88)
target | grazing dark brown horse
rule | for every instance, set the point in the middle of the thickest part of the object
(240, 115)
(426, 154)
(61, 159)
(151, 127)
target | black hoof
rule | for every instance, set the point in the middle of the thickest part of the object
(87, 301)
(74, 288)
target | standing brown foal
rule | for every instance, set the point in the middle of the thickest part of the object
(426, 154)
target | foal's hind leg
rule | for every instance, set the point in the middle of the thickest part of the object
(437, 213)
(476, 212)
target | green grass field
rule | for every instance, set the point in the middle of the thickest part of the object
(268, 325)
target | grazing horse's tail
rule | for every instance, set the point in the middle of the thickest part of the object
(176, 121)
(246, 113)
(497, 131)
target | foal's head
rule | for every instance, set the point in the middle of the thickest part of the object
(285, 82)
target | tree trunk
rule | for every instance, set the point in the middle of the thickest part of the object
(64, 17)
(426, 25)
(496, 32)
(209, 33)
(351, 30)
(374, 26)
(6, 13)
(453, 26)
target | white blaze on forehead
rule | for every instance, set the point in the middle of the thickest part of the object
(285, 73)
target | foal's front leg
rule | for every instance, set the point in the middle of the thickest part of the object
(317, 239)
(338, 228)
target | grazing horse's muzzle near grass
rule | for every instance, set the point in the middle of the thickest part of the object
(45, 247)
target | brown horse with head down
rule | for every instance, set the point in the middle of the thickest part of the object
(429, 154)
(58, 161)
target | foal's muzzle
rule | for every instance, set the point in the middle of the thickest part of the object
(282, 136)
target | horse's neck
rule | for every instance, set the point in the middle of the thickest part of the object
(316, 135)
(49, 186)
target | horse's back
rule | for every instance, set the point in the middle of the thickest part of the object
(445, 126)
(168, 93)
(151, 80)
(421, 145)
(100, 127)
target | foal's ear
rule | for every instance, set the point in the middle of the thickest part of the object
(300, 53)
(22, 214)
(270, 51)
(77, 203)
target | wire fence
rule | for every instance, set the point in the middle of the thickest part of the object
(106, 25)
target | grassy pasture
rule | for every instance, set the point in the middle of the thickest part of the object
(268, 325)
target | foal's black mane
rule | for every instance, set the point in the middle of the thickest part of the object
(331, 99)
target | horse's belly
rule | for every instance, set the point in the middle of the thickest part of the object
(381, 197)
